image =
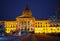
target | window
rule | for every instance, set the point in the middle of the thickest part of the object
(46, 23)
(51, 29)
(38, 26)
(11, 26)
(35, 23)
(43, 29)
(57, 28)
(24, 23)
(38, 22)
(50, 25)
(41, 25)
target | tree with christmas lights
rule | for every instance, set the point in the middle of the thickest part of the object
(2, 29)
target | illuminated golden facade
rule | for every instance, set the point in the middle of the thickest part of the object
(27, 22)
(10, 26)
(43, 26)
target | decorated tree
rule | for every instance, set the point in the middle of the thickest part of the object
(2, 29)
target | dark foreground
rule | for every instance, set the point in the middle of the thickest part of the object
(41, 37)
(31, 37)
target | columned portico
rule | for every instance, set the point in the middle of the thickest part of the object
(26, 20)
(25, 24)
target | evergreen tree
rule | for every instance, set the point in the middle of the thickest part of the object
(2, 29)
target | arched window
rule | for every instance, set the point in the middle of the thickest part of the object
(41, 25)
(38, 26)
(38, 22)
(46, 22)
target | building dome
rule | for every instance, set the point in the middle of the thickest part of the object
(27, 11)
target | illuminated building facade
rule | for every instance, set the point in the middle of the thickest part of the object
(44, 26)
(10, 26)
(27, 22)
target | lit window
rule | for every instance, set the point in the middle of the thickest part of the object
(43, 29)
(38, 26)
(35, 23)
(41, 25)
(38, 22)
(51, 29)
(46, 25)
(11, 26)
(50, 25)
(57, 28)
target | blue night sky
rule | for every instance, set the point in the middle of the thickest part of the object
(41, 9)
